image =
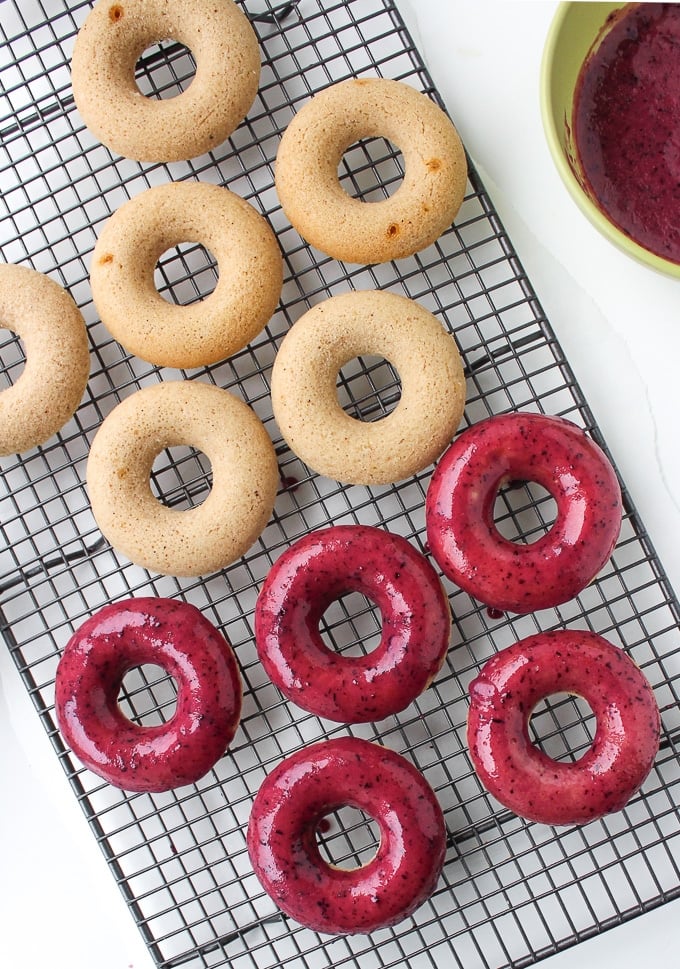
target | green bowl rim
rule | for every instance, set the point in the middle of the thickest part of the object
(595, 215)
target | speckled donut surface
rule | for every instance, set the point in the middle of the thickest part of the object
(415, 215)
(465, 541)
(163, 632)
(415, 618)
(245, 478)
(249, 266)
(525, 779)
(111, 41)
(305, 400)
(54, 376)
(310, 784)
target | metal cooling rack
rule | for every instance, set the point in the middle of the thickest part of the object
(511, 892)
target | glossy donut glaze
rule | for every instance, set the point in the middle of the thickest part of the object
(321, 567)
(322, 778)
(521, 776)
(463, 537)
(177, 637)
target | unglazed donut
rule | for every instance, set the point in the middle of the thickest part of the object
(552, 452)
(521, 776)
(419, 211)
(111, 41)
(245, 478)
(322, 778)
(54, 377)
(167, 633)
(305, 400)
(415, 617)
(248, 259)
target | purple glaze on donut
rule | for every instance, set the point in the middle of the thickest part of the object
(315, 781)
(521, 776)
(321, 567)
(177, 637)
(463, 537)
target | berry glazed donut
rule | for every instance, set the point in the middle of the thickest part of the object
(249, 265)
(113, 38)
(305, 398)
(245, 478)
(521, 776)
(312, 783)
(54, 377)
(415, 616)
(167, 633)
(346, 228)
(463, 537)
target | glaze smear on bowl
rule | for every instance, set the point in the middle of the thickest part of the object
(626, 125)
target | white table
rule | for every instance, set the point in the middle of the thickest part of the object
(618, 325)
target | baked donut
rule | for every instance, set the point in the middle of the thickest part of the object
(248, 259)
(305, 400)
(245, 478)
(54, 376)
(415, 215)
(415, 618)
(464, 540)
(167, 633)
(111, 41)
(521, 776)
(319, 779)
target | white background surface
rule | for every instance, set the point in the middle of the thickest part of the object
(618, 324)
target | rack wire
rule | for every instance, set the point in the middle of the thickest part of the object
(511, 892)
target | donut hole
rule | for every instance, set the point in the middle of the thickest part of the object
(181, 477)
(148, 695)
(562, 726)
(165, 70)
(12, 358)
(351, 625)
(186, 273)
(524, 511)
(371, 170)
(368, 388)
(348, 838)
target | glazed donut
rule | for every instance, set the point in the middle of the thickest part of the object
(167, 633)
(305, 400)
(122, 274)
(54, 376)
(111, 41)
(323, 566)
(521, 776)
(245, 478)
(419, 211)
(310, 784)
(464, 540)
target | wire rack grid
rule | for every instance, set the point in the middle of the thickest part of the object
(511, 892)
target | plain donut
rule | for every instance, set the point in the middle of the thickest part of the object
(111, 41)
(415, 215)
(54, 377)
(245, 478)
(249, 264)
(305, 400)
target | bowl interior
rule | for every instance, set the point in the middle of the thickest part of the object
(576, 29)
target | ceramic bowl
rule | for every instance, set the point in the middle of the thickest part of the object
(575, 29)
